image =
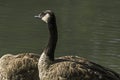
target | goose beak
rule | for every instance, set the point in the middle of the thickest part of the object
(37, 16)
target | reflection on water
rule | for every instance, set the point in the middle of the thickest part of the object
(89, 29)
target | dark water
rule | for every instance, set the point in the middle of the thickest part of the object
(87, 28)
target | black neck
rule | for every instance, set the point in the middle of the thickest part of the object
(50, 49)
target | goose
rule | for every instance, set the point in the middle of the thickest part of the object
(67, 67)
(22, 66)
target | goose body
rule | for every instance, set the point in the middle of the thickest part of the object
(19, 67)
(67, 67)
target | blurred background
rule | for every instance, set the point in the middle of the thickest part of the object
(87, 28)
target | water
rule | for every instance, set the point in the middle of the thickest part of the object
(87, 28)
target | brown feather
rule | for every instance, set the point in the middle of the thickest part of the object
(19, 67)
(77, 68)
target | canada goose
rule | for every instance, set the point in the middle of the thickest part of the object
(67, 67)
(19, 67)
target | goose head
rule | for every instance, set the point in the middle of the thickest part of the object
(47, 16)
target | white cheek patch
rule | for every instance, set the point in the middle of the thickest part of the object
(46, 18)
